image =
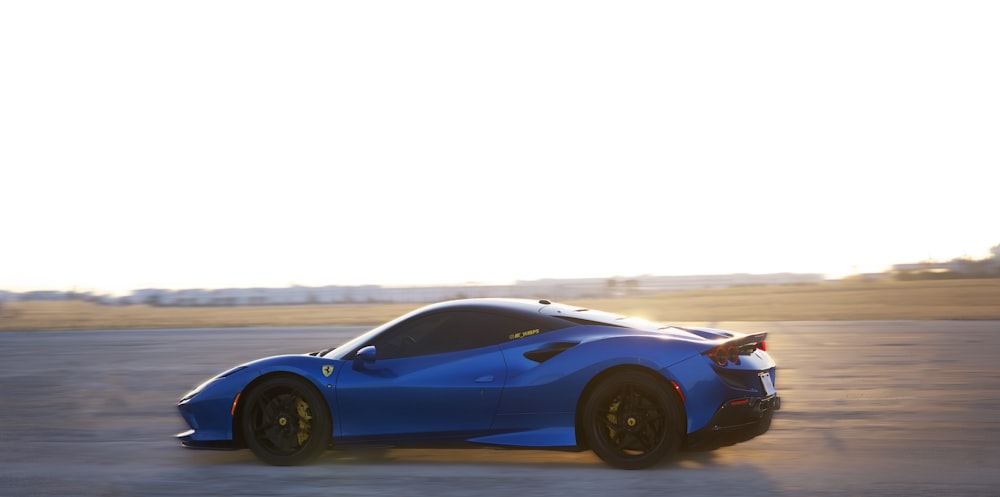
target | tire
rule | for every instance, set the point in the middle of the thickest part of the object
(286, 421)
(632, 422)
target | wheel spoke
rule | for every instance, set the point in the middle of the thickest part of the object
(647, 438)
(651, 430)
(627, 398)
(266, 408)
(287, 402)
(621, 444)
(272, 434)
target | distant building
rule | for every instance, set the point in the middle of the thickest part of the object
(44, 295)
(966, 267)
(558, 289)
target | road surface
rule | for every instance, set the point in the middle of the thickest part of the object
(909, 408)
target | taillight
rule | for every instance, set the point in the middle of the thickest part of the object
(718, 356)
(729, 353)
(722, 355)
(733, 354)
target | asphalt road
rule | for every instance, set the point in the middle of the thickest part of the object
(908, 408)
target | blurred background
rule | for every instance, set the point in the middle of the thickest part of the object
(339, 150)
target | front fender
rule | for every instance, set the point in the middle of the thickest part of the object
(210, 409)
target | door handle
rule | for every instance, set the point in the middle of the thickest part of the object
(485, 379)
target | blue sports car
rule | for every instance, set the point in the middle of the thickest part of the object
(507, 372)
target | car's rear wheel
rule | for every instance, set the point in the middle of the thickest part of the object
(632, 421)
(285, 421)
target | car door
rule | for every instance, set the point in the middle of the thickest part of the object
(433, 375)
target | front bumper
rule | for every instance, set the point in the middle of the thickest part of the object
(211, 430)
(736, 421)
(188, 439)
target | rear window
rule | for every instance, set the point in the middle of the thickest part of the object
(588, 322)
(600, 318)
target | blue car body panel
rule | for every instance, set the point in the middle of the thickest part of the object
(526, 391)
(456, 392)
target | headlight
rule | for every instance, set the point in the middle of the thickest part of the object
(201, 387)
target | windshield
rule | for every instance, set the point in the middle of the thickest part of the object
(344, 350)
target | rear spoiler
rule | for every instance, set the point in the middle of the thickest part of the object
(754, 341)
(729, 351)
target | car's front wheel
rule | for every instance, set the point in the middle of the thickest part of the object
(631, 421)
(285, 421)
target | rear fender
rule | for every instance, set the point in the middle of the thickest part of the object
(668, 384)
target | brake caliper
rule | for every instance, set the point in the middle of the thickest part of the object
(304, 418)
(613, 416)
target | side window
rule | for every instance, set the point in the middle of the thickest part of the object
(413, 337)
(449, 332)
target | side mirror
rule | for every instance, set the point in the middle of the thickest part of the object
(364, 357)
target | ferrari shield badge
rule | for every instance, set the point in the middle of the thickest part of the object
(327, 370)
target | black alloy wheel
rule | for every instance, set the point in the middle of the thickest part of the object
(632, 421)
(286, 421)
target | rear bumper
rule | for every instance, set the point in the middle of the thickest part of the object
(736, 421)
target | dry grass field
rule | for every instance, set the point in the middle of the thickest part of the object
(839, 300)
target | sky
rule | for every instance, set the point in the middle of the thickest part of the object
(213, 144)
